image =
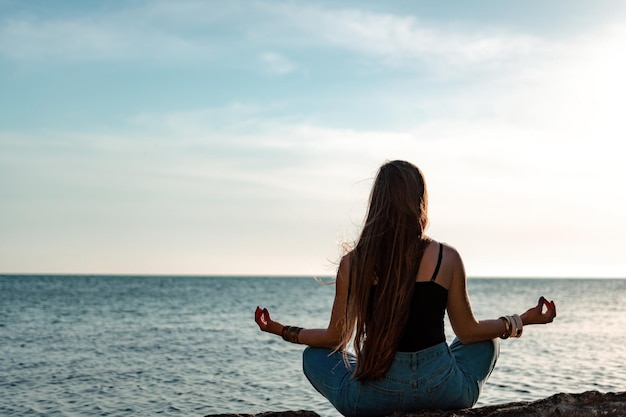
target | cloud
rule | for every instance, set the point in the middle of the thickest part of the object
(199, 32)
(277, 64)
(131, 34)
(405, 41)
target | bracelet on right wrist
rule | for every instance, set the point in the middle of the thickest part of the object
(291, 333)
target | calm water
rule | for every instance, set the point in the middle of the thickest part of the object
(105, 346)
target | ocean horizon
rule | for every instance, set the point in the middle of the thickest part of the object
(104, 345)
(262, 276)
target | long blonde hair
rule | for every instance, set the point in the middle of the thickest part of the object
(389, 247)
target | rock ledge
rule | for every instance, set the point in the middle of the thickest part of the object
(590, 403)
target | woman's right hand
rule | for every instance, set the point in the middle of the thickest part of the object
(265, 322)
(536, 315)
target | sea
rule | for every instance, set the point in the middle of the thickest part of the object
(189, 346)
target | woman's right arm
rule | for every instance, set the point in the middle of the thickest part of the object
(328, 337)
(465, 325)
(331, 335)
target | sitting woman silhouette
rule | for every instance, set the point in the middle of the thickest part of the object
(391, 293)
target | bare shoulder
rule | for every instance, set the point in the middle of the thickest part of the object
(452, 269)
(450, 253)
(344, 267)
(454, 266)
(345, 260)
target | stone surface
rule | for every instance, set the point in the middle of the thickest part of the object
(590, 403)
(299, 413)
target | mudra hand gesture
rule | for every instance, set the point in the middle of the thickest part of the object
(265, 322)
(536, 315)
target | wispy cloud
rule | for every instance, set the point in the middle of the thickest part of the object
(405, 40)
(124, 34)
(196, 32)
(277, 64)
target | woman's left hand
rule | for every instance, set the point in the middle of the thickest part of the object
(537, 315)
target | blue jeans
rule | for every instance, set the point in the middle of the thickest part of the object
(440, 377)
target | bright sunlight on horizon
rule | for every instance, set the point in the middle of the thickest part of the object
(241, 138)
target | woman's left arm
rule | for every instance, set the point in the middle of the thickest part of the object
(327, 338)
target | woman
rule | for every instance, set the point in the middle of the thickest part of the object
(392, 291)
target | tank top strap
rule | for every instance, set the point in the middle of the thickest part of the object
(438, 263)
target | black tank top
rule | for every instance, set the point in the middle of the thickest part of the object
(428, 305)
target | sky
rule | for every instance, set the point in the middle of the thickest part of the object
(242, 137)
